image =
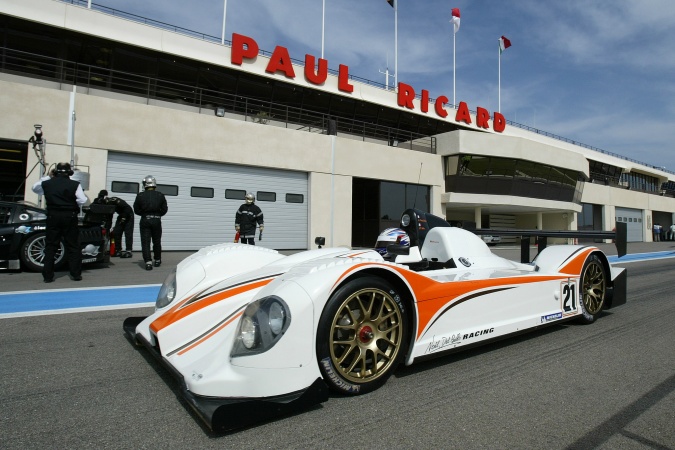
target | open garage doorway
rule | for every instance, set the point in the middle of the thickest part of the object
(377, 205)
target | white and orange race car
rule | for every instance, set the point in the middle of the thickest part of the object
(252, 334)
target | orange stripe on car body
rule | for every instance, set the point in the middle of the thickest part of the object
(575, 263)
(356, 255)
(211, 334)
(431, 295)
(177, 313)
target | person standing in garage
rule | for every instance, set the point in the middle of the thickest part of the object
(151, 205)
(64, 199)
(248, 215)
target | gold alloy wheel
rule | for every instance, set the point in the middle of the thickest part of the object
(593, 287)
(366, 335)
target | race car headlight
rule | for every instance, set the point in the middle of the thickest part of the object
(167, 292)
(263, 323)
(249, 332)
(276, 318)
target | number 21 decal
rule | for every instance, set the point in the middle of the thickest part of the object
(568, 297)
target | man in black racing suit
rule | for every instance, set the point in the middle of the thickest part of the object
(245, 221)
(151, 205)
(124, 225)
(100, 218)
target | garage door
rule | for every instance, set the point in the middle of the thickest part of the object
(633, 219)
(203, 198)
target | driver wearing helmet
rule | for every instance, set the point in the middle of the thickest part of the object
(248, 215)
(151, 206)
(391, 236)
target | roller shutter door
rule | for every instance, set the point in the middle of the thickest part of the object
(504, 222)
(633, 220)
(195, 222)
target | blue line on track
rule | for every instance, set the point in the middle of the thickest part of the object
(60, 299)
(640, 257)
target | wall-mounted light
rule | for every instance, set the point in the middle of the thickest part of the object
(37, 134)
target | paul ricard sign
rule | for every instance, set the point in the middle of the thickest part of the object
(245, 50)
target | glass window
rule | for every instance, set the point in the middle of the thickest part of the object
(392, 200)
(235, 194)
(503, 167)
(295, 198)
(416, 196)
(201, 192)
(287, 94)
(474, 165)
(124, 187)
(585, 217)
(266, 196)
(168, 189)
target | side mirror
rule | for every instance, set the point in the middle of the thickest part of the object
(320, 240)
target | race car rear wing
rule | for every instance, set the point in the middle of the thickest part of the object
(417, 223)
(619, 237)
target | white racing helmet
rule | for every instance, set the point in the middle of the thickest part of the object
(391, 236)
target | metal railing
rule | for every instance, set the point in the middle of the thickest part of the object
(201, 99)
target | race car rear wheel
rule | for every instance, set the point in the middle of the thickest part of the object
(593, 288)
(362, 336)
(33, 253)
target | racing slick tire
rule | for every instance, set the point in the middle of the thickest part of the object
(33, 253)
(362, 336)
(592, 289)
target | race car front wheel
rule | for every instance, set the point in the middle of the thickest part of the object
(593, 289)
(361, 336)
(33, 253)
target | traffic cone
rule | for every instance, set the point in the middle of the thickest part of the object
(112, 247)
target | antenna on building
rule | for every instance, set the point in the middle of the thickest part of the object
(386, 74)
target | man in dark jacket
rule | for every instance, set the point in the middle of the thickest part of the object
(245, 221)
(151, 206)
(100, 218)
(124, 225)
(64, 199)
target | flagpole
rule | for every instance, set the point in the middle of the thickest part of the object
(222, 39)
(454, 102)
(455, 21)
(395, 45)
(499, 83)
(323, 26)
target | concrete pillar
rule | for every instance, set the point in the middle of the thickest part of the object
(477, 217)
(608, 220)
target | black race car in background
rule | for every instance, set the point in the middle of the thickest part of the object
(22, 238)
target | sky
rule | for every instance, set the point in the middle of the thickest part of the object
(598, 72)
